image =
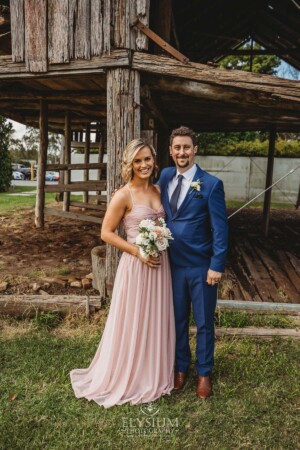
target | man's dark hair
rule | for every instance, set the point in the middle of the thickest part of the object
(183, 131)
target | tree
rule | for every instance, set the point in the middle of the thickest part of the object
(27, 148)
(267, 64)
(5, 161)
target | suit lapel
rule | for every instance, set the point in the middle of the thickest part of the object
(190, 193)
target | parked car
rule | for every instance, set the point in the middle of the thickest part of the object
(17, 167)
(26, 171)
(52, 176)
(18, 175)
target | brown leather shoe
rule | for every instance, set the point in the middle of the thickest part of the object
(204, 387)
(179, 380)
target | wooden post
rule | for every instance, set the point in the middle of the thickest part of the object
(298, 199)
(100, 160)
(87, 159)
(269, 178)
(60, 195)
(67, 177)
(42, 161)
(123, 125)
(98, 267)
(163, 20)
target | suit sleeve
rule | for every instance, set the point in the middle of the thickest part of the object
(219, 227)
(159, 182)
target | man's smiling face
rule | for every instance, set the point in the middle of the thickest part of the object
(183, 152)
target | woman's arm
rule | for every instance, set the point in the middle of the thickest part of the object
(113, 216)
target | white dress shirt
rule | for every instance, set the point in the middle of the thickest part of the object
(186, 184)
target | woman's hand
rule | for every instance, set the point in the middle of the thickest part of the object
(151, 261)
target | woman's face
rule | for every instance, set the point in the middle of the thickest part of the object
(143, 163)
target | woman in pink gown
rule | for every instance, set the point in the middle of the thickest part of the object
(135, 358)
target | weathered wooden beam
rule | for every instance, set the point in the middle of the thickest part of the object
(260, 333)
(42, 160)
(88, 206)
(75, 144)
(76, 187)
(123, 125)
(100, 198)
(97, 64)
(259, 307)
(28, 305)
(66, 94)
(276, 89)
(269, 180)
(72, 215)
(207, 91)
(77, 166)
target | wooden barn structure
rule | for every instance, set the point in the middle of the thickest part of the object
(122, 68)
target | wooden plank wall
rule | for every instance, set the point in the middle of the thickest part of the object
(55, 32)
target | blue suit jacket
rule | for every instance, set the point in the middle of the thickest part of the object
(199, 227)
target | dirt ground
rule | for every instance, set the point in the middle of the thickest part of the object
(60, 254)
(61, 251)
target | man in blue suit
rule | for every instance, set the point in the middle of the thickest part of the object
(196, 215)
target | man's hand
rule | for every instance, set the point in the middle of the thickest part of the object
(213, 277)
(116, 190)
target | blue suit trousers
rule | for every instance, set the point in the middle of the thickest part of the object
(190, 288)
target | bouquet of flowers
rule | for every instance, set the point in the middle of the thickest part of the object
(153, 237)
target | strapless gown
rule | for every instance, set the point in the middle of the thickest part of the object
(135, 358)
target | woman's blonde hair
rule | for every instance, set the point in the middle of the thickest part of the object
(130, 153)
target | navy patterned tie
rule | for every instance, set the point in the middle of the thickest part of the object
(175, 195)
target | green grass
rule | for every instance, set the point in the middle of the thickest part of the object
(12, 203)
(63, 271)
(237, 319)
(255, 403)
(17, 189)
(241, 319)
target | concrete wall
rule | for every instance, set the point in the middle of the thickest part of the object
(244, 177)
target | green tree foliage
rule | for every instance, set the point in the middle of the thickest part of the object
(267, 64)
(283, 148)
(5, 161)
(27, 148)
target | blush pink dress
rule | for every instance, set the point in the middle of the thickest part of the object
(135, 358)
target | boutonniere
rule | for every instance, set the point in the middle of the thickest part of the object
(196, 186)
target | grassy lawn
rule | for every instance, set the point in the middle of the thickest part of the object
(12, 203)
(255, 403)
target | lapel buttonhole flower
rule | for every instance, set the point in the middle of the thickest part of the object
(196, 186)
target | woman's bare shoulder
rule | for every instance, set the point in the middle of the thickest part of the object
(121, 196)
(157, 187)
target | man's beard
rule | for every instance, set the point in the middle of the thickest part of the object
(183, 164)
